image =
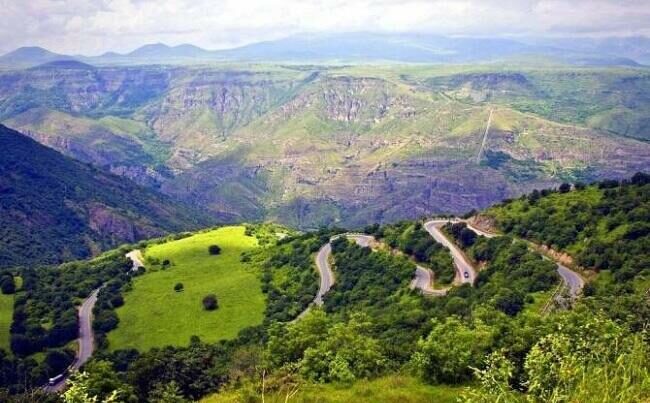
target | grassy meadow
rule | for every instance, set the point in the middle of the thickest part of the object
(155, 315)
(394, 388)
(6, 314)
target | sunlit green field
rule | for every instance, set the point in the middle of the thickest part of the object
(384, 390)
(155, 315)
(6, 313)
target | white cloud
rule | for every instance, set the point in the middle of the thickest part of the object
(94, 26)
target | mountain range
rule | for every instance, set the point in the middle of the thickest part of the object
(310, 145)
(370, 47)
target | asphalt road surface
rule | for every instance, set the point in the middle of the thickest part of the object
(325, 272)
(424, 282)
(323, 264)
(465, 273)
(86, 340)
(571, 279)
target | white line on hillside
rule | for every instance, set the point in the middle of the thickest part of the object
(487, 129)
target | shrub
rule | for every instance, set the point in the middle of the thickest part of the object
(210, 302)
(7, 284)
(178, 287)
(214, 249)
(565, 188)
(117, 301)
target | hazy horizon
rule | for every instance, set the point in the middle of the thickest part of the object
(98, 26)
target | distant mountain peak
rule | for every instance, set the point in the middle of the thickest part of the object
(161, 50)
(31, 56)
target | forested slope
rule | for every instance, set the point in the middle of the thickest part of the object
(53, 208)
(604, 226)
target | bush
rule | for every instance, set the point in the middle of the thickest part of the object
(117, 301)
(178, 287)
(7, 284)
(210, 302)
(214, 249)
(565, 188)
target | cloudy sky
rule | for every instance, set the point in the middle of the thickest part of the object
(95, 26)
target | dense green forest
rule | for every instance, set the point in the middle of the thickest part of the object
(605, 226)
(53, 208)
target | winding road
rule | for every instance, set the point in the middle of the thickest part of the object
(86, 340)
(573, 281)
(325, 272)
(465, 272)
(423, 279)
(325, 269)
(424, 282)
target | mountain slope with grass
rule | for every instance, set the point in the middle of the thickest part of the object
(156, 314)
(55, 208)
(493, 340)
(349, 145)
(602, 227)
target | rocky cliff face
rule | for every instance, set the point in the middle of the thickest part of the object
(310, 146)
(108, 222)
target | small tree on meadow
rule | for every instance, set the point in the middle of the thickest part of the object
(210, 302)
(214, 249)
(7, 284)
(179, 287)
(565, 188)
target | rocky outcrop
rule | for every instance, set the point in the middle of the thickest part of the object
(109, 223)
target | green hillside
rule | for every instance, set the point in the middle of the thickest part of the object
(382, 390)
(511, 336)
(155, 315)
(54, 208)
(321, 145)
(603, 227)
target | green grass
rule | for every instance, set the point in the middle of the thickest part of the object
(6, 315)
(155, 315)
(393, 388)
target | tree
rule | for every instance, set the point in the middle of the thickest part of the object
(510, 302)
(214, 249)
(467, 237)
(178, 287)
(7, 284)
(210, 302)
(451, 350)
(345, 354)
(83, 389)
(117, 301)
(166, 393)
(58, 360)
(565, 188)
(287, 343)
